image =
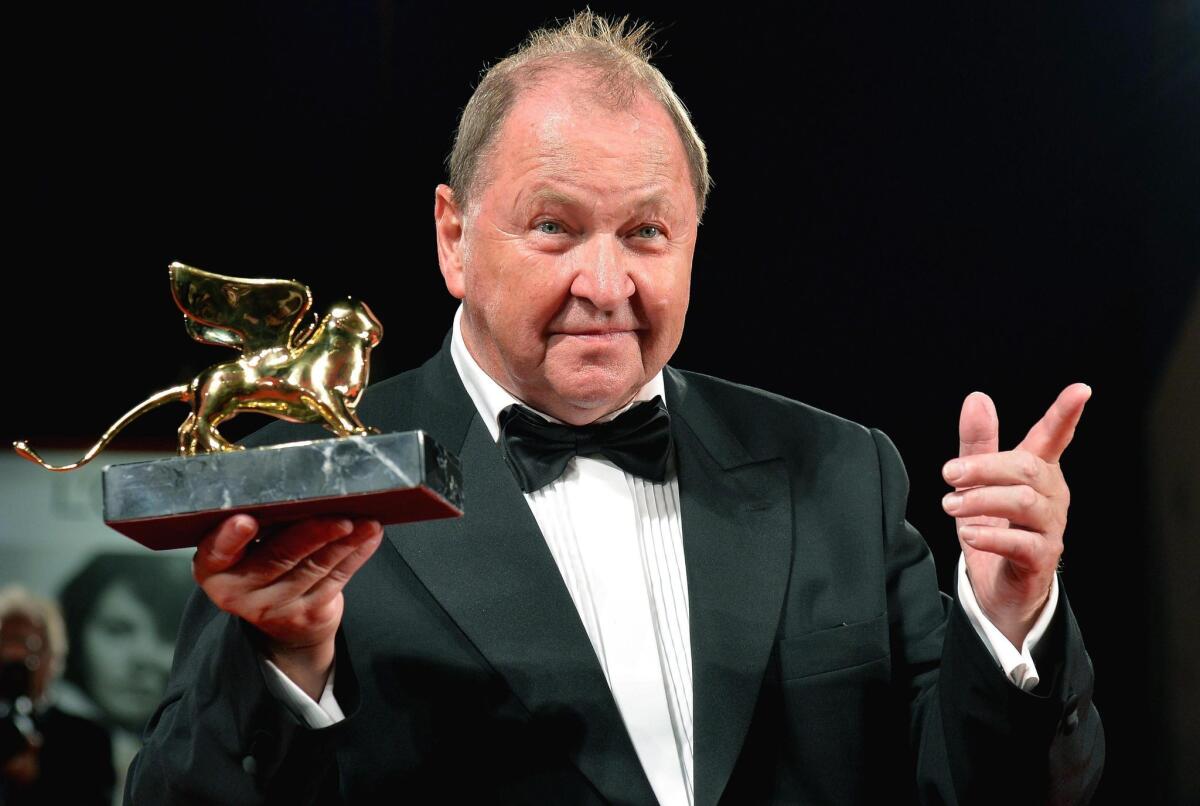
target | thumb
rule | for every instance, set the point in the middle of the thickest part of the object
(978, 426)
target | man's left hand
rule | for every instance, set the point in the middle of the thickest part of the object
(1011, 507)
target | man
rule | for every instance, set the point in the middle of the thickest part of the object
(674, 588)
(46, 754)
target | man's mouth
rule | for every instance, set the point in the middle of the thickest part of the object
(595, 334)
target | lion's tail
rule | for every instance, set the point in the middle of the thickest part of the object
(180, 393)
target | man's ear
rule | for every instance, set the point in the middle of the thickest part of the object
(448, 222)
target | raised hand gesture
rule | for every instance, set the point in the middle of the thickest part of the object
(1010, 507)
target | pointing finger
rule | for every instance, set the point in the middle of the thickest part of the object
(978, 426)
(1051, 435)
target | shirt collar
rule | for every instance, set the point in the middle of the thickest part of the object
(490, 398)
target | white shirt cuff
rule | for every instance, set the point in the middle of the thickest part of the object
(314, 713)
(1016, 663)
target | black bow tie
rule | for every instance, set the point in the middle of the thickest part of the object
(638, 441)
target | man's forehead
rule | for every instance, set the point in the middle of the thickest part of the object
(558, 144)
(562, 117)
(561, 143)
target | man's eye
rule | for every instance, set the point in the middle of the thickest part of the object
(648, 231)
(549, 228)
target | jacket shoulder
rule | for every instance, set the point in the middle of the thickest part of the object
(762, 420)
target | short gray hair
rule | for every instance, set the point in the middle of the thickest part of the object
(620, 57)
(16, 601)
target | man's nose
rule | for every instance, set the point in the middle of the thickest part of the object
(602, 276)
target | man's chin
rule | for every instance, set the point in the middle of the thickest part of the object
(580, 404)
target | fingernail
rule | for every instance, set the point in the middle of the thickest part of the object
(952, 502)
(967, 533)
(243, 527)
(952, 470)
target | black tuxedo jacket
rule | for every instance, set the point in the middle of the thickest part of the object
(827, 666)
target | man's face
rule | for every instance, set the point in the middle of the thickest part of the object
(575, 260)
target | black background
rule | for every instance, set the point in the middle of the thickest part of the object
(910, 203)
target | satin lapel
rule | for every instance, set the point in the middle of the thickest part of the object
(494, 575)
(737, 527)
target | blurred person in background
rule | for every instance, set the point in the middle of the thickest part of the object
(124, 611)
(46, 755)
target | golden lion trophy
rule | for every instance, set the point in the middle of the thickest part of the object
(293, 367)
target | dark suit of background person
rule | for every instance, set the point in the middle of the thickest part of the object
(827, 667)
(74, 762)
(47, 756)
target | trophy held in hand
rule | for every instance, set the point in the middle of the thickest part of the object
(294, 367)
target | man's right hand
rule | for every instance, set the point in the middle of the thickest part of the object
(288, 586)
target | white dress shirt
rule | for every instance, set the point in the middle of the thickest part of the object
(618, 543)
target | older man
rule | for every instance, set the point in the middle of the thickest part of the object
(666, 587)
(46, 754)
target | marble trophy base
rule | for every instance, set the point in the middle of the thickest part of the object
(394, 478)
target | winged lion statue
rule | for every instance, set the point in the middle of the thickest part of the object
(292, 366)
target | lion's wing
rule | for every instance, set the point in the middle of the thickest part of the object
(242, 313)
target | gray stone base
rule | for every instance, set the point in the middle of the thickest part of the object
(394, 478)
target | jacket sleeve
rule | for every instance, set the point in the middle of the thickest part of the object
(220, 736)
(976, 737)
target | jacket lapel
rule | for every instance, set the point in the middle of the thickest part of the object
(493, 573)
(737, 527)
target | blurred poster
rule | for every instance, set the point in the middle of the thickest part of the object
(121, 602)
